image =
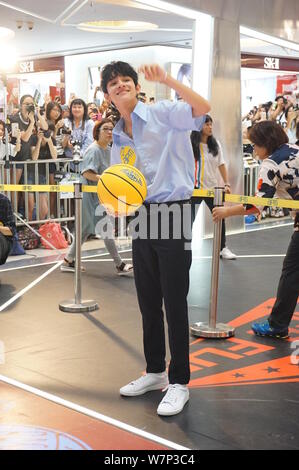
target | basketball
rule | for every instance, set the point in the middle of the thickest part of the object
(121, 189)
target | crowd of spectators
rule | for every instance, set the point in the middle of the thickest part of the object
(284, 111)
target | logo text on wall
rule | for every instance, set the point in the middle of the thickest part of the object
(26, 67)
(271, 63)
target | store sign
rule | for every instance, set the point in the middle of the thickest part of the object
(26, 67)
(271, 63)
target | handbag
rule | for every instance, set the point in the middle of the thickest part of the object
(52, 232)
(27, 239)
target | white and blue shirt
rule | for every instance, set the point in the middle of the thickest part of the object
(160, 148)
(83, 133)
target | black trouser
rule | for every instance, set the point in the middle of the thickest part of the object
(161, 271)
(288, 287)
(195, 203)
(5, 247)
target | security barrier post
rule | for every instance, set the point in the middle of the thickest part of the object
(214, 329)
(78, 305)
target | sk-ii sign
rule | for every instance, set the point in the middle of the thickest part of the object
(271, 63)
(26, 67)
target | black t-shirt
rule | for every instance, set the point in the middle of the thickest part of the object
(24, 153)
(44, 154)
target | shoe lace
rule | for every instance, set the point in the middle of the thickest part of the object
(171, 394)
(139, 380)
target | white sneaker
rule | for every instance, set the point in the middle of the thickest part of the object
(174, 401)
(227, 254)
(145, 383)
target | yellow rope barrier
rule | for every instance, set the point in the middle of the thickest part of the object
(236, 198)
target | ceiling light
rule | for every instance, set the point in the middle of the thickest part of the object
(6, 33)
(8, 56)
(116, 26)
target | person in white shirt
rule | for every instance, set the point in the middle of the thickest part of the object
(209, 159)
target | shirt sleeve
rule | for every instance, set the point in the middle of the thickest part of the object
(266, 183)
(87, 137)
(89, 162)
(179, 116)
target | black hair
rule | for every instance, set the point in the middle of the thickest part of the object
(114, 69)
(24, 97)
(196, 138)
(85, 115)
(297, 130)
(268, 134)
(51, 105)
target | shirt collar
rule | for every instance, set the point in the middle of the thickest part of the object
(140, 110)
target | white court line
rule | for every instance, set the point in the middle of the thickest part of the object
(241, 256)
(105, 260)
(54, 262)
(32, 284)
(92, 414)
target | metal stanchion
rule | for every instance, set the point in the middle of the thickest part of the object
(214, 329)
(3, 79)
(78, 305)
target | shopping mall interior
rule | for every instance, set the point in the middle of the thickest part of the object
(63, 369)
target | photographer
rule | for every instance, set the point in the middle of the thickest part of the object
(277, 112)
(26, 122)
(13, 148)
(54, 117)
(93, 112)
(81, 128)
(43, 147)
(292, 116)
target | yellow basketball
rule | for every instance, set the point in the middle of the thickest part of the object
(121, 189)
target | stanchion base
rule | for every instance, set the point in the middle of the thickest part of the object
(205, 331)
(70, 306)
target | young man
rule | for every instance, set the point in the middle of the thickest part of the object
(278, 175)
(7, 228)
(156, 140)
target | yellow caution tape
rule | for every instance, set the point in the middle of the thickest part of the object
(203, 193)
(262, 201)
(37, 188)
(89, 189)
(257, 201)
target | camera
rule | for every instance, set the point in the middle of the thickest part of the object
(76, 150)
(65, 130)
(30, 108)
(46, 133)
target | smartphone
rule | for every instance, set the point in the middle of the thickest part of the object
(14, 129)
(36, 97)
